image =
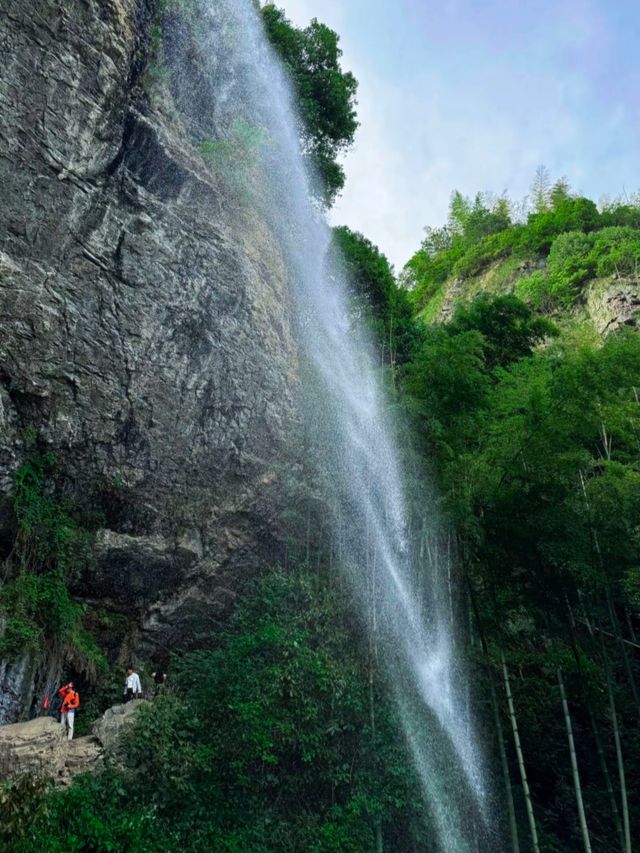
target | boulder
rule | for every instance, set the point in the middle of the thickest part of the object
(40, 746)
(108, 728)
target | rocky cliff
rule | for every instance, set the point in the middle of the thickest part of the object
(606, 303)
(146, 336)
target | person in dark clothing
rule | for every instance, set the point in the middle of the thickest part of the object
(159, 682)
(55, 706)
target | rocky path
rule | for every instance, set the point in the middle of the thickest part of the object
(40, 745)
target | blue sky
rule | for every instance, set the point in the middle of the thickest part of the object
(472, 95)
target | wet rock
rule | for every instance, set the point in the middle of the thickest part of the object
(16, 682)
(145, 327)
(25, 682)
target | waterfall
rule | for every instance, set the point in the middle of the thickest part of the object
(257, 131)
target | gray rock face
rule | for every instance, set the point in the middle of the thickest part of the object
(38, 746)
(16, 680)
(25, 682)
(612, 303)
(112, 723)
(145, 320)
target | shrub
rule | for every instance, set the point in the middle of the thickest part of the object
(50, 550)
(95, 814)
(22, 800)
(485, 252)
(570, 214)
(616, 251)
(509, 328)
(535, 290)
(570, 264)
(264, 745)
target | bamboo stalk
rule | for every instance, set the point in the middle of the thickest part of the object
(607, 780)
(599, 630)
(594, 727)
(450, 589)
(627, 616)
(616, 738)
(520, 755)
(615, 624)
(619, 758)
(370, 557)
(504, 763)
(574, 765)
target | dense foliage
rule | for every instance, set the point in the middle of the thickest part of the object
(566, 237)
(531, 424)
(538, 460)
(325, 94)
(266, 742)
(376, 299)
(49, 552)
(533, 434)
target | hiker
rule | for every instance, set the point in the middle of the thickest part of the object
(70, 704)
(159, 682)
(132, 686)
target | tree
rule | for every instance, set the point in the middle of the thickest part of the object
(540, 189)
(375, 292)
(265, 744)
(509, 328)
(325, 94)
(560, 192)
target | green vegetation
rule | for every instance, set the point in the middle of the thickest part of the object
(532, 430)
(567, 237)
(537, 458)
(575, 257)
(534, 436)
(325, 94)
(278, 734)
(265, 744)
(375, 297)
(267, 741)
(22, 801)
(52, 546)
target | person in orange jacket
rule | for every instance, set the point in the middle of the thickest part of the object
(70, 704)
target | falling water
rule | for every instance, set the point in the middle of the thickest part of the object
(348, 410)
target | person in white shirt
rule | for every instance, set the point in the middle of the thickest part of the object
(132, 687)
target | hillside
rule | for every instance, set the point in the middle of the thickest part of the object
(568, 260)
(513, 354)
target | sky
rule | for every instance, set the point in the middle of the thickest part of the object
(475, 94)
